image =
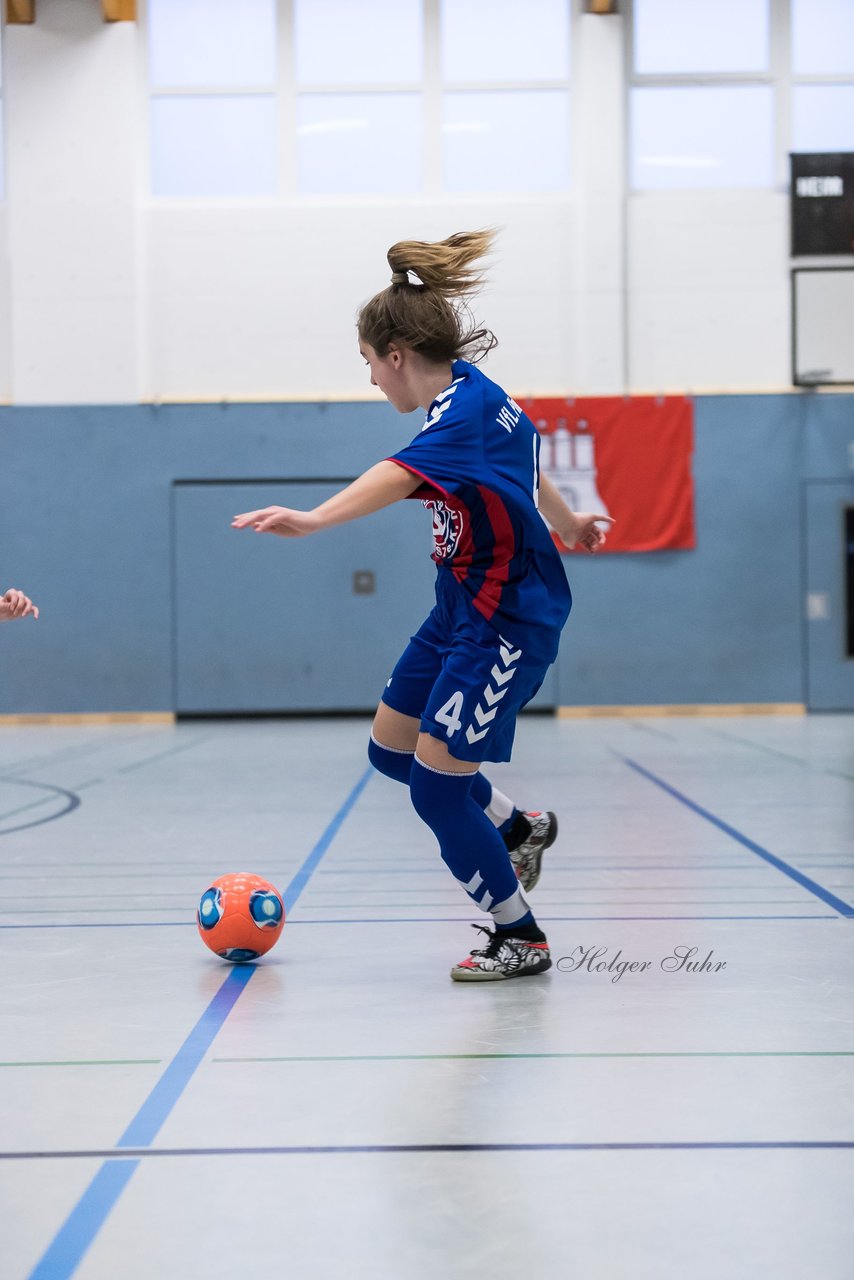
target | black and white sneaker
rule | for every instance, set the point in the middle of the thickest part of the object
(503, 957)
(527, 853)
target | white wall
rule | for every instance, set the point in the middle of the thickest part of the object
(116, 297)
(71, 113)
(5, 309)
(262, 304)
(708, 299)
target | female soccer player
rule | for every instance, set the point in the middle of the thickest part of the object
(501, 592)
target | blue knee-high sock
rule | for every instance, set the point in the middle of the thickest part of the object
(470, 845)
(397, 764)
(390, 761)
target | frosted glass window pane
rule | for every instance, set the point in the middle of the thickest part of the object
(212, 42)
(506, 141)
(360, 143)
(505, 40)
(822, 37)
(358, 41)
(702, 137)
(213, 146)
(823, 117)
(673, 36)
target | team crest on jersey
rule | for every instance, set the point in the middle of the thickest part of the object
(447, 528)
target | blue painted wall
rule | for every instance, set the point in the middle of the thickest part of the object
(85, 529)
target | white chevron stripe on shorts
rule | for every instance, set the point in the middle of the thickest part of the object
(482, 713)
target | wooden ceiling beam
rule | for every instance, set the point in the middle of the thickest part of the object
(119, 10)
(18, 11)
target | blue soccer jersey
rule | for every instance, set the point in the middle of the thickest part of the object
(478, 456)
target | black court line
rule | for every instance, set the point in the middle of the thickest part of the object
(422, 1148)
(67, 753)
(658, 733)
(74, 1237)
(160, 755)
(406, 919)
(783, 755)
(72, 796)
(73, 802)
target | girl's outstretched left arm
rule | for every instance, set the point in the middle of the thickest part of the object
(376, 488)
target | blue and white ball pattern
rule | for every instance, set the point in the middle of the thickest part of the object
(210, 909)
(240, 916)
(266, 909)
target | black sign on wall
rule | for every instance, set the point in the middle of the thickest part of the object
(822, 201)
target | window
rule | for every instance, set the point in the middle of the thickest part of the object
(213, 146)
(701, 101)
(506, 140)
(375, 42)
(213, 105)
(360, 144)
(822, 56)
(504, 72)
(822, 37)
(823, 117)
(488, 40)
(674, 37)
(702, 136)
(333, 98)
(715, 101)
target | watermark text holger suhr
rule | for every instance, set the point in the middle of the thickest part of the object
(680, 960)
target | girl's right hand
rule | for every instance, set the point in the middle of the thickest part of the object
(14, 604)
(281, 520)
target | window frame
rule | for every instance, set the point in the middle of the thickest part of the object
(779, 76)
(287, 92)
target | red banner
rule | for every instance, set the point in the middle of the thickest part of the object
(627, 457)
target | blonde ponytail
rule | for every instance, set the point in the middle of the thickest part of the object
(446, 265)
(429, 313)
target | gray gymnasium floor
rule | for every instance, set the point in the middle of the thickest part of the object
(343, 1108)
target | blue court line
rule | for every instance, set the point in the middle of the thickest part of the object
(563, 869)
(551, 919)
(301, 878)
(65, 1252)
(114, 1160)
(187, 924)
(844, 908)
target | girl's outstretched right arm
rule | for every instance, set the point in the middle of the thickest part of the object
(378, 487)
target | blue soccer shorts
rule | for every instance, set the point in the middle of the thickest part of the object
(463, 681)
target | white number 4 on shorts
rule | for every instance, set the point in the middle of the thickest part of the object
(450, 714)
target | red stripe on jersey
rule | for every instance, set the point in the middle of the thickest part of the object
(416, 472)
(461, 560)
(488, 598)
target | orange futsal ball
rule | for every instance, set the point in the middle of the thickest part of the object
(240, 917)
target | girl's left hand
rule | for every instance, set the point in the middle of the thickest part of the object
(14, 604)
(281, 520)
(584, 532)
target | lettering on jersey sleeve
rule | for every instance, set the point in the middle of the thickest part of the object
(448, 527)
(440, 404)
(509, 415)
